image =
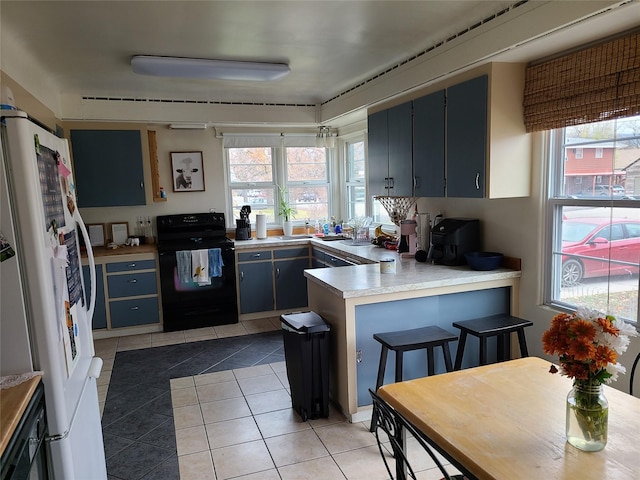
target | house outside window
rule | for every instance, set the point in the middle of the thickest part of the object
(578, 153)
(595, 240)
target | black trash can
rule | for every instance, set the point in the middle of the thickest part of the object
(306, 351)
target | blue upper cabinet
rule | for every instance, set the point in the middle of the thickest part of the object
(378, 153)
(429, 144)
(400, 150)
(390, 153)
(467, 138)
(108, 167)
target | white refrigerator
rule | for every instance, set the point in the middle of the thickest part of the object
(45, 315)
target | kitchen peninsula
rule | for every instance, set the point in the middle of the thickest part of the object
(359, 301)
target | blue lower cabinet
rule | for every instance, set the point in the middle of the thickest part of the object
(129, 313)
(442, 311)
(99, 320)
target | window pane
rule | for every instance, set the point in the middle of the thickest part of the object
(259, 199)
(598, 258)
(307, 183)
(306, 164)
(356, 201)
(250, 165)
(355, 159)
(310, 202)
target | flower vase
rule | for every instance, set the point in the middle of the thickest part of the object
(587, 416)
(287, 228)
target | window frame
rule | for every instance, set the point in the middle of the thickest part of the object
(556, 200)
(279, 175)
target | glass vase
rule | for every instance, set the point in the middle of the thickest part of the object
(587, 416)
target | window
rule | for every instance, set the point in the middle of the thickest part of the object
(595, 242)
(252, 181)
(257, 165)
(578, 153)
(308, 182)
(599, 152)
(355, 176)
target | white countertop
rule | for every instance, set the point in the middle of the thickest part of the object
(366, 280)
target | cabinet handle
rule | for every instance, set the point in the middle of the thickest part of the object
(241, 276)
(415, 182)
(256, 255)
(392, 183)
(132, 265)
(141, 184)
(277, 273)
(134, 308)
(133, 281)
(477, 181)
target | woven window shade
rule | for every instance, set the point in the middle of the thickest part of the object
(598, 83)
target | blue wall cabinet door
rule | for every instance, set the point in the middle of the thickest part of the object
(256, 287)
(378, 154)
(108, 167)
(100, 312)
(291, 284)
(467, 138)
(429, 145)
(399, 124)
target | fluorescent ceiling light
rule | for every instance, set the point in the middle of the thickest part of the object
(208, 69)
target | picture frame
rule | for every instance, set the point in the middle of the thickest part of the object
(119, 232)
(96, 234)
(187, 171)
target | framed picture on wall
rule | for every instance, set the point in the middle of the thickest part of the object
(187, 171)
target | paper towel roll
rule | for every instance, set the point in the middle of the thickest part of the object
(261, 226)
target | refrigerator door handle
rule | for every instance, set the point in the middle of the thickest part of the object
(92, 265)
(94, 372)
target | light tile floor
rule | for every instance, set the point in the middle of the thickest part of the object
(239, 423)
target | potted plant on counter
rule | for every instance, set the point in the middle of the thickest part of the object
(285, 210)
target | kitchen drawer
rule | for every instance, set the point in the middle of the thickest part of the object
(131, 266)
(318, 254)
(291, 252)
(132, 285)
(333, 261)
(138, 311)
(255, 255)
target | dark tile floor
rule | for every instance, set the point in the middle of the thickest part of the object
(137, 423)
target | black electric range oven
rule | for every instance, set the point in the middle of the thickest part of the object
(188, 305)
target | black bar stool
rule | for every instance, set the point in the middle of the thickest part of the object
(407, 340)
(500, 326)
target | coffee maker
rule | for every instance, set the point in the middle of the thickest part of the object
(408, 238)
(243, 224)
(452, 238)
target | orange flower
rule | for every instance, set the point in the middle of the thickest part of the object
(608, 327)
(583, 329)
(581, 349)
(603, 356)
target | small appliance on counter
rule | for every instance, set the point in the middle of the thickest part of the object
(408, 238)
(243, 224)
(452, 238)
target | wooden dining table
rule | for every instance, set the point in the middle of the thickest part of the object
(507, 421)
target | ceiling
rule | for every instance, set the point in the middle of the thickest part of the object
(82, 49)
(330, 46)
